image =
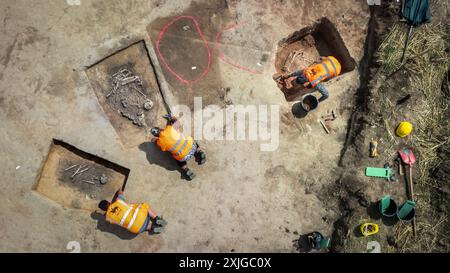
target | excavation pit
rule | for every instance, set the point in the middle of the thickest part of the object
(76, 179)
(127, 90)
(303, 47)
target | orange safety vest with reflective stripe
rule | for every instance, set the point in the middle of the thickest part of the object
(129, 216)
(174, 142)
(328, 68)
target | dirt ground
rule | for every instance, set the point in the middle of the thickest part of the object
(243, 199)
(414, 92)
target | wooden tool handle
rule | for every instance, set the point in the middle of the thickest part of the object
(411, 190)
(411, 183)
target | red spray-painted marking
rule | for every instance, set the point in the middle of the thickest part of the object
(161, 56)
(226, 59)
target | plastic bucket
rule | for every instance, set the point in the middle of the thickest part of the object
(309, 103)
(407, 211)
(409, 217)
(388, 207)
(298, 111)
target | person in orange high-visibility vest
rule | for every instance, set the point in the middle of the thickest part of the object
(182, 148)
(137, 218)
(313, 76)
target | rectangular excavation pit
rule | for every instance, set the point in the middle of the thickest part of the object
(57, 181)
(126, 87)
(303, 47)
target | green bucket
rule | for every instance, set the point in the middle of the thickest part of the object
(388, 207)
(407, 211)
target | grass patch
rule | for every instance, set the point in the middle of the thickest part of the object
(426, 66)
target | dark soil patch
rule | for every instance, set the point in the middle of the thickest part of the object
(186, 54)
(125, 84)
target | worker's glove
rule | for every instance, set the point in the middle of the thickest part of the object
(170, 118)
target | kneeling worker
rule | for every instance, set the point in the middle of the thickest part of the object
(181, 147)
(137, 218)
(311, 77)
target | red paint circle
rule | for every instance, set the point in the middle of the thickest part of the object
(170, 69)
(226, 59)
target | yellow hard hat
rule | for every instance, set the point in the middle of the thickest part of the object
(404, 129)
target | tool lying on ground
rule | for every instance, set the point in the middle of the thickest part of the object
(398, 160)
(330, 117)
(409, 159)
(373, 148)
(385, 172)
(283, 81)
(416, 12)
(406, 211)
(324, 126)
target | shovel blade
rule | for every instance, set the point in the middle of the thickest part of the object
(411, 157)
(404, 157)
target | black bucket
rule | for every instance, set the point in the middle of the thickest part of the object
(389, 210)
(300, 109)
(410, 216)
(309, 103)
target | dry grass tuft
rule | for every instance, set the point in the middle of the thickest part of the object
(427, 65)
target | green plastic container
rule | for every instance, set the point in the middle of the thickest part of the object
(325, 243)
(407, 211)
(380, 172)
(388, 207)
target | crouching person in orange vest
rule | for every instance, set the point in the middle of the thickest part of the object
(137, 218)
(182, 148)
(313, 76)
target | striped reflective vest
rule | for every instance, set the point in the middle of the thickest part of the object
(328, 68)
(174, 142)
(129, 216)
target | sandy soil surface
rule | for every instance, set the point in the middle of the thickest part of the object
(242, 199)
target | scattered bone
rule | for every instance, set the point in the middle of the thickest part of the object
(82, 171)
(129, 80)
(103, 179)
(76, 172)
(148, 104)
(124, 100)
(124, 103)
(139, 91)
(71, 167)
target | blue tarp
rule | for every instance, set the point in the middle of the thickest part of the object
(417, 12)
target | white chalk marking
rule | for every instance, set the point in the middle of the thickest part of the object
(73, 2)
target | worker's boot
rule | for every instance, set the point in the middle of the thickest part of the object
(160, 221)
(200, 157)
(189, 174)
(157, 230)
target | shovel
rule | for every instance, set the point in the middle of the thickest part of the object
(408, 158)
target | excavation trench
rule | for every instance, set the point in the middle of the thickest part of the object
(77, 179)
(303, 47)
